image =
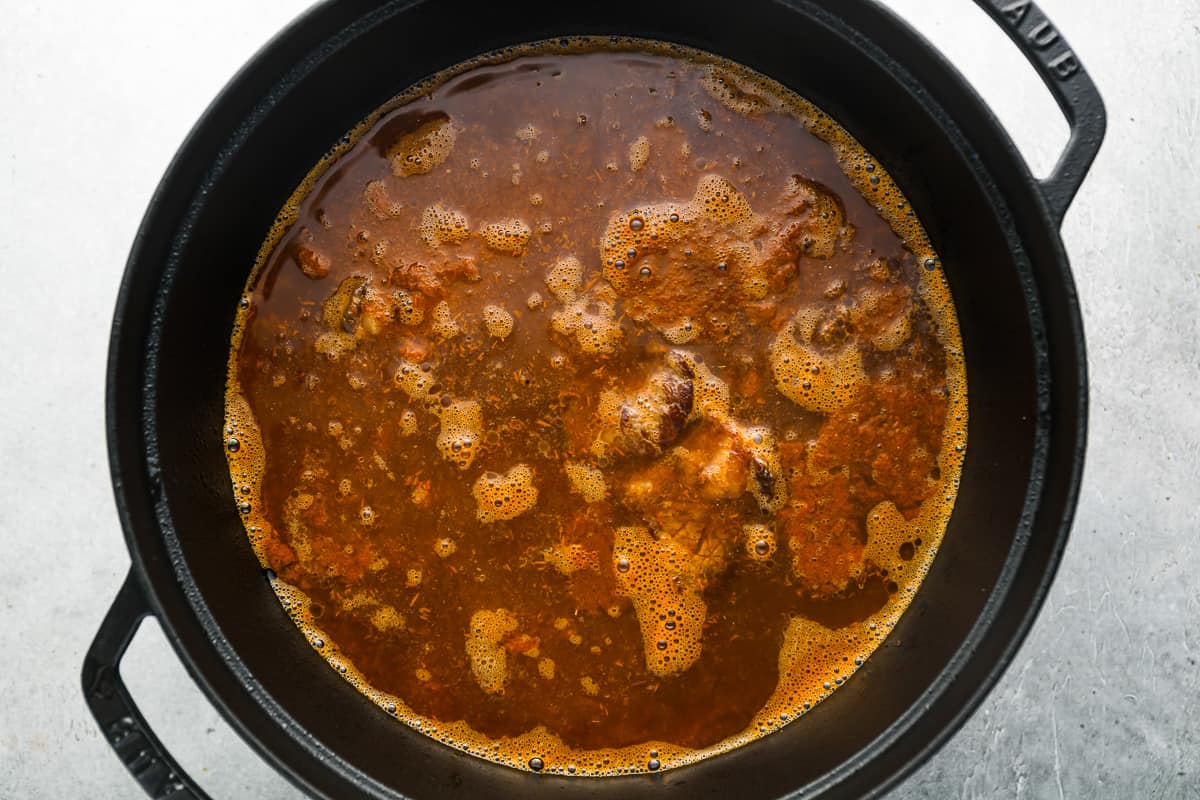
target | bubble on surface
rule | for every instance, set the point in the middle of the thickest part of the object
(441, 225)
(656, 582)
(680, 332)
(485, 648)
(506, 236)
(359, 600)
(249, 461)
(590, 322)
(815, 378)
(499, 323)
(419, 151)
(408, 310)
(738, 95)
(568, 559)
(414, 382)
(827, 230)
(565, 279)
(759, 541)
(461, 432)
(387, 619)
(335, 344)
(685, 268)
(504, 496)
(586, 481)
(639, 153)
(337, 305)
(884, 313)
(445, 326)
(888, 531)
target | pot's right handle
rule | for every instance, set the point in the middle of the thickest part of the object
(123, 725)
(1065, 77)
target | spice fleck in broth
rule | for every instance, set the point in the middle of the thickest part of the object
(598, 407)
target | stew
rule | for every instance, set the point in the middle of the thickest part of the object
(596, 406)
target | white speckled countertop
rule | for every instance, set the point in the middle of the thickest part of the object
(1102, 700)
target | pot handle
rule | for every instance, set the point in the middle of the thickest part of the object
(122, 723)
(1063, 73)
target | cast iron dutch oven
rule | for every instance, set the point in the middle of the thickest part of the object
(995, 226)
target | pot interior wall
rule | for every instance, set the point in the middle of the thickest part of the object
(313, 108)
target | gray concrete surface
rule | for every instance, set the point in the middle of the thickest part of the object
(1102, 700)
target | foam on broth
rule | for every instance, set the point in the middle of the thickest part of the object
(598, 296)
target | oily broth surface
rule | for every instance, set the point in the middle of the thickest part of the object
(449, 521)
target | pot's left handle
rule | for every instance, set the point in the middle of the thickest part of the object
(122, 723)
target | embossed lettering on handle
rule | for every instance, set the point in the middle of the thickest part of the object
(1043, 36)
(1064, 75)
(118, 716)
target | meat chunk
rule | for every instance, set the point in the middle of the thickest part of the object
(685, 495)
(715, 464)
(432, 280)
(640, 421)
(655, 416)
(692, 535)
(313, 262)
(726, 459)
(723, 459)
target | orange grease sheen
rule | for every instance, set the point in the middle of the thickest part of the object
(458, 434)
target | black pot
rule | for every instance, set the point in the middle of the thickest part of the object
(995, 226)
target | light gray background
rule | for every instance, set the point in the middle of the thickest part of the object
(1104, 697)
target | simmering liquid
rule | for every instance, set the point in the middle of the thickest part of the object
(597, 406)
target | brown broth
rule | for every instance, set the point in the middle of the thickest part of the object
(598, 407)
